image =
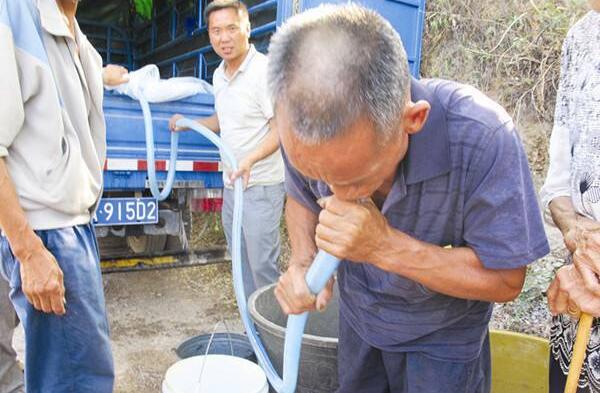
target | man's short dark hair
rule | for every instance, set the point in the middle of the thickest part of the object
(217, 5)
(334, 63)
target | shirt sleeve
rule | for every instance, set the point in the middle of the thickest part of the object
(12, 113)
(557, 181)
(502, 220)
(297, 187)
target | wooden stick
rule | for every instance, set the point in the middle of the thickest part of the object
(579, 350)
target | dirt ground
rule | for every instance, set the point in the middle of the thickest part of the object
(152, 312)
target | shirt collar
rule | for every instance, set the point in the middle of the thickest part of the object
(248, 59)
(249, 56)
(52, 19)
(428, 154)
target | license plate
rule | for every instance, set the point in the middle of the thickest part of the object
(126, 211)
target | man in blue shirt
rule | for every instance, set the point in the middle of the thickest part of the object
(422, 188)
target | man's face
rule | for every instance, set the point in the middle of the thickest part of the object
(229, 33)
(595, 5)
(354, 165)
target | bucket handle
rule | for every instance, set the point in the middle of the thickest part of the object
(210, 340)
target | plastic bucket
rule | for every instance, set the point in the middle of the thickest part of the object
(220, 344)
(520, 363)
(318, 360)
(218, 374)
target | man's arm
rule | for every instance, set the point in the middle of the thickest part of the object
(268, 146)
(301, 224)
(211, 122)
(359, 232)
(42, 278)
(292, 292)
(569, 221)
(456, 272)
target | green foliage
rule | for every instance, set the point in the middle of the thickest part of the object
(144, 8)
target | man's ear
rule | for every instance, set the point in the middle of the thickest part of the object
(415, 115)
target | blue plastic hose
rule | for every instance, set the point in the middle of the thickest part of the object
(317, 276)
(149, 127)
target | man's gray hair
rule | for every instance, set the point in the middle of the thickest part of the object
(333, 64)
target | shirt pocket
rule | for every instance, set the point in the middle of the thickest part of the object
(59, 157)
(407, 290)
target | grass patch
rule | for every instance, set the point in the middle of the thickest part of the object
(509, 49)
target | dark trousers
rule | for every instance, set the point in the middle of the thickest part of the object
(365, 369)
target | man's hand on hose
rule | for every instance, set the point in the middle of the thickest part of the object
(173, 123)
(244, 167)
(353, 231)
(293, 294)
(42, 281)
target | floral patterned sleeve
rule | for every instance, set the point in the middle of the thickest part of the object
(557, 181)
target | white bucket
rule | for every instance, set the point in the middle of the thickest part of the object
(221, 374)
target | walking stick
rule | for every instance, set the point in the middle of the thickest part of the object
(579, 350)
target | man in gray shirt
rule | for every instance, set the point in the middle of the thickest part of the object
(52, 150)
(11, 376)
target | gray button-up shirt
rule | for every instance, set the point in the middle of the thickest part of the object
(465, 181)
(52, 131)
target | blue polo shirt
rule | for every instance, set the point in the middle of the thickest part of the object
(464, 182)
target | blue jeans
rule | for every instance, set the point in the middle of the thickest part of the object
(69, 353)
(260, 233)
(365, 369)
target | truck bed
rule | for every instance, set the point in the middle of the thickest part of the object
(126, 167)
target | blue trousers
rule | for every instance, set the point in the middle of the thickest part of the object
(69, 353)
(365, 369)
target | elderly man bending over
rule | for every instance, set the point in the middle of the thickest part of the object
(422, 188)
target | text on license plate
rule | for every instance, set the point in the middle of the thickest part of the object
(126, 211)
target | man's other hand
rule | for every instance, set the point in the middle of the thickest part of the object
(244, 167)
(173, 123)
(293, 294)
(114, 75)
(42, 282)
